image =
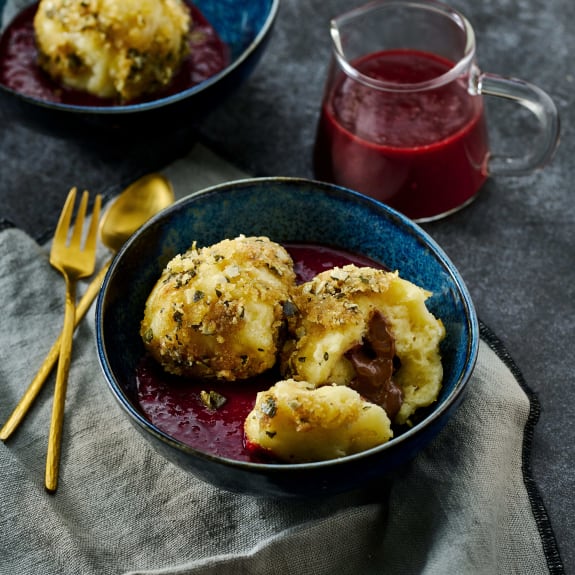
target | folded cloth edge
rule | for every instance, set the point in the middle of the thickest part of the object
(549, 542)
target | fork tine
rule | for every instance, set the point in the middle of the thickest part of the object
(92, 237)
(76, 239)
(63, 226)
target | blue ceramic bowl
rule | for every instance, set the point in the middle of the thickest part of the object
(286, 210)
(244, 25)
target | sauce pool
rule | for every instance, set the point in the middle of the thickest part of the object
(423, 153)
(20, 72)
(174, 406)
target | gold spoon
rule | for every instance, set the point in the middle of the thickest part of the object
(132, 208)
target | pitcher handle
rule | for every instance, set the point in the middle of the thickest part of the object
(540, 104)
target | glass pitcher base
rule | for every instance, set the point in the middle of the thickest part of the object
(447, 213)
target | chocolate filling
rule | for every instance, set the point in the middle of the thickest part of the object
(374, 362)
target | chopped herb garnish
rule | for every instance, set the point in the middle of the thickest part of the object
(273, 269)
(269, 407)
(75, 62)
(212, 399)
(289, 308)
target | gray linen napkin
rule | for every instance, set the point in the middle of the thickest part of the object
(466, 504)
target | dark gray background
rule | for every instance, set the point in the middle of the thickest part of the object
(515, 245)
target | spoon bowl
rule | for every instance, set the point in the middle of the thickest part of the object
(133, 207)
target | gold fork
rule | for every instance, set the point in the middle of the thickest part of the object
(74, 262)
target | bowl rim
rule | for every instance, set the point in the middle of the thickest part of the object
(452, 399)
(161, 102)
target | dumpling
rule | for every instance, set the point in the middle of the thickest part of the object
(218, 312)
(295, 421)
(368, 329)
(110, 48)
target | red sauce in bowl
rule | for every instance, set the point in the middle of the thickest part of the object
(20, 72)
(173, 403)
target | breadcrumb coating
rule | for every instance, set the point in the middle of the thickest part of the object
(110, 48)
(218, 311)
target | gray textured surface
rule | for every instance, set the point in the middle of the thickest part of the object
(515, 245)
